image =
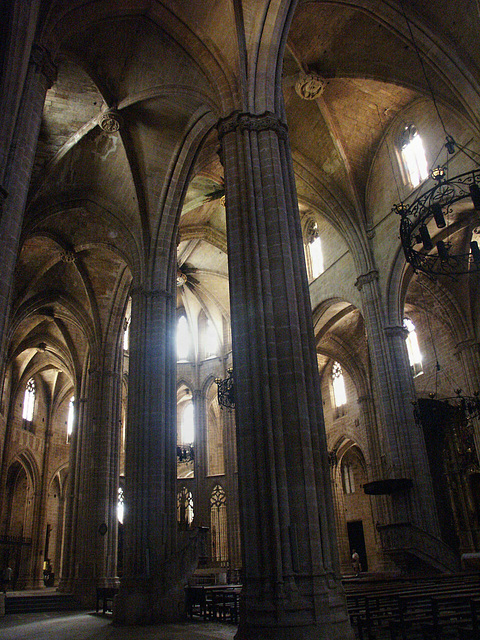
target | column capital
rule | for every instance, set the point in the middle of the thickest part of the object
(238, 121)
(366, 278)
(396, 331)
(41, 58)
(150, 293)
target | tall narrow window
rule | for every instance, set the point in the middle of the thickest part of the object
(211, 341)
(185, 511)
(71, 415)
(188, 424)
(338, 383)
(120, 505)
(29, 400)
(126, 334)
(314, 244)
(348, 479)
(414, 353)
(183, 339)
(185, 440)
(413, 156)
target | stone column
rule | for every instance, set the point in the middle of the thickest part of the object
(70, 563)
(401, 442)
(231, 475)
(91, 554)
(201, 440)
(103, 427)
(35, 580)
(469, 353)
(148, 590)
(16, 178)
(290, 560)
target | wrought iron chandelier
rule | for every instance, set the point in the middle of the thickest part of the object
(437, 204)
(226, 390)
(447, 197)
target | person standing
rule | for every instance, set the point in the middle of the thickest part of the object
(7, 577)
(357, 567)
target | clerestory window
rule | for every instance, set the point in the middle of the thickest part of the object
(211, 340)
(314, 248)
(29, 401)
(348, 479)
(413, 156)
(183, 339)
(338, 382)
(413, 348)
(71, 415)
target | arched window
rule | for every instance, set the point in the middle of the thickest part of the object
(338, 383)
(211, 340)
(348, 479)
(186, 437)
(120, 505)
(413, 156)
(188, 424)
(185, 511)
(314, 245)
(126, 334)
(414, 353)
(215, 444)
(183, 339)
(218, 524)
(29, 400)
(71, 415)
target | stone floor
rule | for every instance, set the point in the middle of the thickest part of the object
(91, 626)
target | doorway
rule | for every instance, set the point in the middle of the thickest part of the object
(356, 540)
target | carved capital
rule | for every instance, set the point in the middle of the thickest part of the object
(238, 121)
(40, 57)
(366, 278)
(396, 332)
(310, 86)
(110, 120)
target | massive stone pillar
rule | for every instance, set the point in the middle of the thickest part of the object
(149, 587)
(410, 531)
(290, 561)
(16, 176)
(35, 577)
(91, 558)
(70, 563)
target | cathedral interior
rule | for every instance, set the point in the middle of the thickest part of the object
(204, 194)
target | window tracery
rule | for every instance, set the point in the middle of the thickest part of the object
(29, 400)
(218, 521)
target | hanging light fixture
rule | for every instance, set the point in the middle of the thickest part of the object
(447, 197)
(436, 204)
(226, 390)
